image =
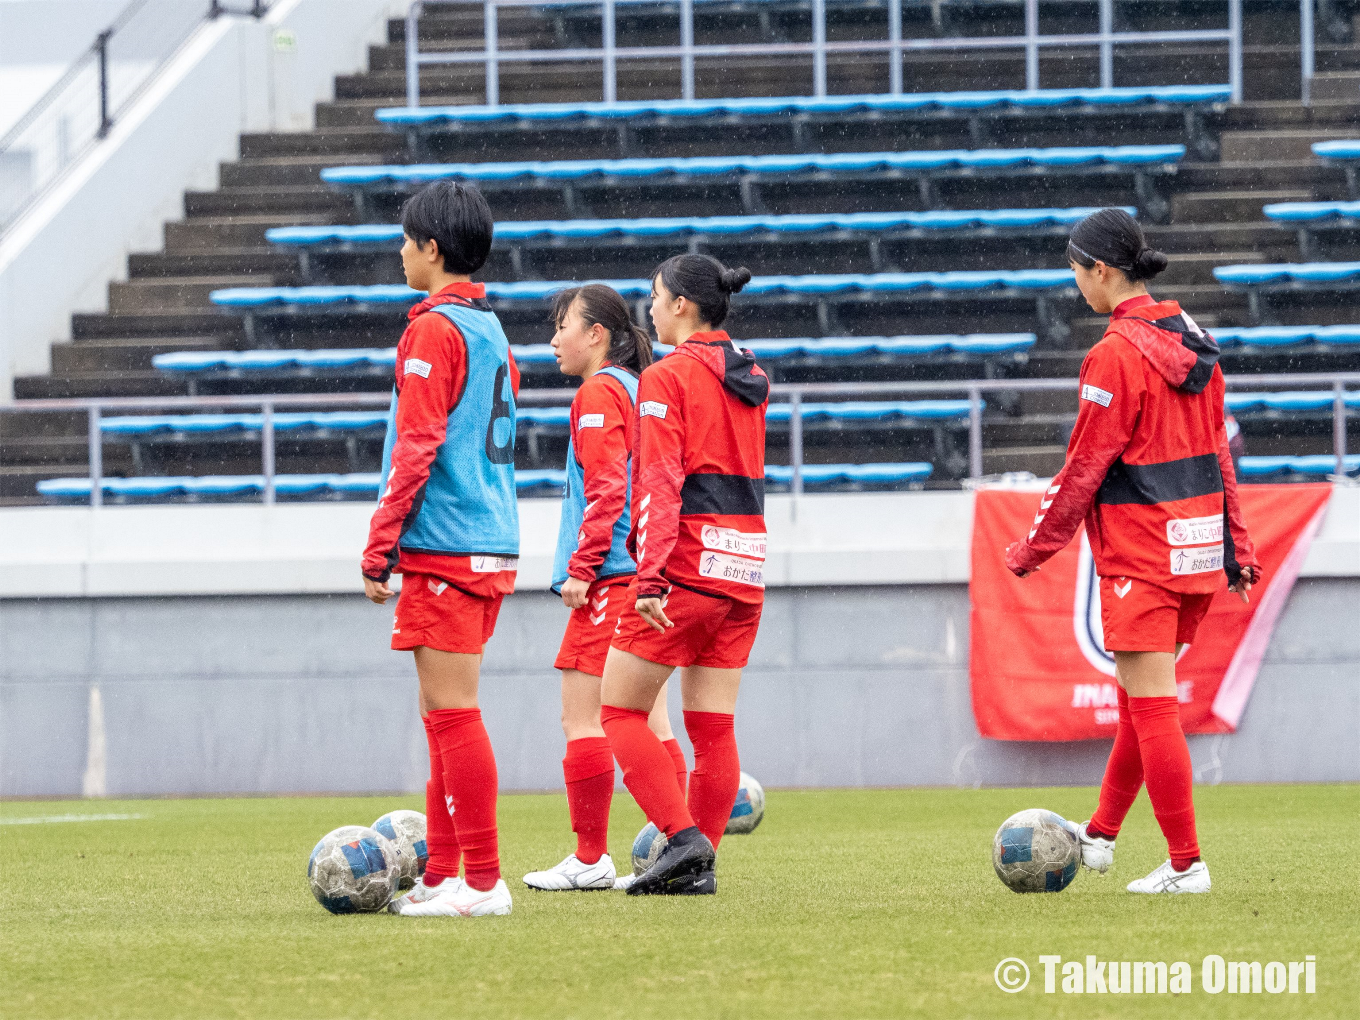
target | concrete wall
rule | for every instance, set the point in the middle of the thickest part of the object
(228, 78)
(848, 686)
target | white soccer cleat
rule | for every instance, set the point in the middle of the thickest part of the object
(463, 901)
(422, 892)
(571, 874)
(623, 882)
(1166, 879)
(1097, 852)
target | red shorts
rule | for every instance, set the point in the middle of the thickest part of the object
(709, 631)
(1139, 616)
(435, 614)
(586, 642)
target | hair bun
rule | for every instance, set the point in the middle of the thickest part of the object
(732, 280)
(1149, 263)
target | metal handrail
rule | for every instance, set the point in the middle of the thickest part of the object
(795, 393)
(608, 53)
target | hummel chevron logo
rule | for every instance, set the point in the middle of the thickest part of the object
(1121, 592)
(601, 603)
(448, 802)
(596, 620)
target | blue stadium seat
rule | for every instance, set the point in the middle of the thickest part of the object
(1282, 277)
(314, 244)
(365, 485)
(1314, 465)
(1308, 219)
(565, 176)
(1346, 153)
(144, 426)
(1286, 336)
(862, 411)
(1315, 400)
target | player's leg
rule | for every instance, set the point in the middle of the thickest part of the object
(659, 722)
(1118, 790)
(710, 700)
(441, 838)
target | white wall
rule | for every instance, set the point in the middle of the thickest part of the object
(311, 548)
(229, 78)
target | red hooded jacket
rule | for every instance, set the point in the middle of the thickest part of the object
(1148, 466)
(699, 472)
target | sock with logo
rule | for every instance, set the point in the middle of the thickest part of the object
(441, 839)
(1168, 774)
(470, 780)
(716, 777)
(1123, 777)
(589, 771)
(672, 746)
(648, 771)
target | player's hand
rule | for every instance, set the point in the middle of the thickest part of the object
(1010, 551)
(575, 592)
(1242, 587)
(652, 611)
(376, 591)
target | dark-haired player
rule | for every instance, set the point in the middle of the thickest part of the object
(699, 541)
(1149, 470)
(448, 521)
(598, 341)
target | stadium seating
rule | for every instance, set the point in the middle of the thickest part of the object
(1310, 467)
(1286, 336)
(1347, 154)
(1036, 287)
(1260, 280)
(314, 244)
(1308, 219)
(573, 183)
(1311, 400)
(797, 114)
(365, 485)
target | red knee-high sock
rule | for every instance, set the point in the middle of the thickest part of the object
(589, 771)
(717, 771)
(1167, 772)
(441, 838)
(648, 771)
(470, 780)
(678, 756)
(1123, 777)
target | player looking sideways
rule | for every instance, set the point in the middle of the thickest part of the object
(1148, 468)
(448, 521)
(596, 340)
(699, 541)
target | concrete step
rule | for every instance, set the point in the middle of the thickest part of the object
(98, 384)
(167, 295)
(1341, 86)
(94, 325)
(1044, 461)
(265, 260)
(368, 137)
(315, 199)
(1213, 206)
(1245, 146)
(122, 354)
(231, 231)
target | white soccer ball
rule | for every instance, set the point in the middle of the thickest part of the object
(354, 869)
(748, 809)
(647, 848)
(1036, 851)
(407, 830)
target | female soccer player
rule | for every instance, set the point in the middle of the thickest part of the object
(1149, 470)
(596, 340)
(448, 521)
(699, 541)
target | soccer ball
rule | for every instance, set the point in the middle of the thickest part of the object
(1036, 851)
(749, 808)
(647, 848)
(407, 830)
(354, 869)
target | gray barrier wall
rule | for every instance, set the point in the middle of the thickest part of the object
(851, 686)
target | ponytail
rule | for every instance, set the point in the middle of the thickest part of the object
(705, 281)
(629, 345)
(1114, 237)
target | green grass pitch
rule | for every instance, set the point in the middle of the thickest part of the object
(843, 904)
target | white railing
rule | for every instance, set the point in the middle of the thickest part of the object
(793, 393)
(609, 53)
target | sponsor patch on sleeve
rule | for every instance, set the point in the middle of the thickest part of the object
(590, 421)
(653, 408)
(414, 366)
(1096, 395)
(1197, 561)
(1194, 530)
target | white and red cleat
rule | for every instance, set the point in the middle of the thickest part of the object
(422, 892)
(462, 901)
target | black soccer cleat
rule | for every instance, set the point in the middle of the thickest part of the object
(703, 884)
(688, 854)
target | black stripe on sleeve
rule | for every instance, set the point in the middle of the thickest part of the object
(1148, 484)
(722, 494)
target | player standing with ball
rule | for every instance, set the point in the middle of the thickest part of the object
(699, 541)
(448, 521)
(1148, 469)
(597, 340)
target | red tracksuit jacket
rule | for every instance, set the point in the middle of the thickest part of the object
(699, 472)
(603, 453)
(1148, 466)
(422, 421)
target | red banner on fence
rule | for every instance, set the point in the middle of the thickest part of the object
(1037, 663)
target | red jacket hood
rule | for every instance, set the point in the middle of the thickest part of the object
(1182, 353)
(473, 294)
(736, 369)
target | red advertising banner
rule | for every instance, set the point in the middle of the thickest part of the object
(1037, 663)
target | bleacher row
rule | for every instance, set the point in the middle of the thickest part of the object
(577, 185)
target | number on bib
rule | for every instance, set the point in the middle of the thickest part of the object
(500, 432)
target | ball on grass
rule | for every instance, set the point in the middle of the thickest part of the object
(354, 869)
(1036, 851)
